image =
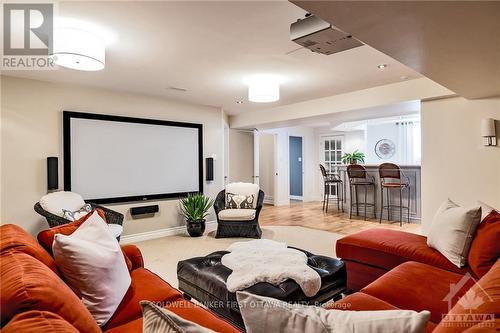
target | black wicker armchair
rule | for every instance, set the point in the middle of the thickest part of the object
(53, 220)
(249, 229)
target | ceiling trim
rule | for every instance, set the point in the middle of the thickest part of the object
(417, 89)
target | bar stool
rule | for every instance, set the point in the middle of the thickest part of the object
(390, 179)
(330, 179)
(358, 177)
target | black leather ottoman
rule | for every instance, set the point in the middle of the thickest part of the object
(204, 279)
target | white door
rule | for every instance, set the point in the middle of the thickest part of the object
(331, 155)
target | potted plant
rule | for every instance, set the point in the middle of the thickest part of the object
(195, 208)
(353, 158)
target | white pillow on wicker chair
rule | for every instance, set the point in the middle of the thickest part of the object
(244, 189)
(57, 201)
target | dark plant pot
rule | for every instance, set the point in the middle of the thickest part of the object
(195, 228)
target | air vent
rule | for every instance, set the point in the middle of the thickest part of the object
(177, 89)
(319, 36)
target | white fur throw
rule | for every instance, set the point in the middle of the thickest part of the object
(265, 260)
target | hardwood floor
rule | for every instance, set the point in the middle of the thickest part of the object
(311, 215)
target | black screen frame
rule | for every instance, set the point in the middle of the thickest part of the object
(68, 115)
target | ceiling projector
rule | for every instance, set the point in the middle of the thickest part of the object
(319, 36)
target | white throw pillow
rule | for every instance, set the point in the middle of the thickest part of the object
(485, 209)
(77, 214)
(57, 201)
(264, 314)
(244, 189)
(452, 230)
(92, 263)
(160, 320)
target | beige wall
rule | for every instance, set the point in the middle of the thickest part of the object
(31, 119)
(455, 164)
(310, 164)
(241, 156)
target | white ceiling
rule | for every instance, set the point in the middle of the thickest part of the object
(208, 48)
(454, 43)
(329, 121)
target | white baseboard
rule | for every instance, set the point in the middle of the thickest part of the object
(268, 200)
(142, 236)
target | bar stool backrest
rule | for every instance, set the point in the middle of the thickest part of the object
(389, 170)
(323, 171)
(356, 171)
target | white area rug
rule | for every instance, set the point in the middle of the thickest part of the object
(161, 255)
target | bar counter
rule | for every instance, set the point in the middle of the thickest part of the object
(414, 175)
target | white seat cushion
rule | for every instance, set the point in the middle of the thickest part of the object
(244, 189)
(57, 201)
(237, 214)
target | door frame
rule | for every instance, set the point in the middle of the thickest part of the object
(256, 157)
(295, 197)
(322, 138)
(225, 137)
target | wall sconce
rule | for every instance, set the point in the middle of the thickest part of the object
(488, 132)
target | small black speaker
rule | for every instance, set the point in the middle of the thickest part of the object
(52, 173)
(143, 210)
(210, 168)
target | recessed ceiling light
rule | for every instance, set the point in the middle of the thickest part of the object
(404, 77)
(382, 66)
(239, 102)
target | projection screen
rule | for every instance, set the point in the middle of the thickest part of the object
(116, 159)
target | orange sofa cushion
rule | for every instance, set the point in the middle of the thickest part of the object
(27, 284)
(417, 286)
(186, 310)
(483, 299)
(485, 327)
(361, 302)
(38, 321)
(145, 286)
(360, 275)
(190, 311)
(14, 238)
(485, 248)
(134, 255)
(387, 249)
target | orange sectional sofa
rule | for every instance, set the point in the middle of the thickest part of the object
(392, 269)
(34, 296)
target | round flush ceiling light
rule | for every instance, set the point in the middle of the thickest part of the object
(382, 66)
(263, 88)
(78, 49)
